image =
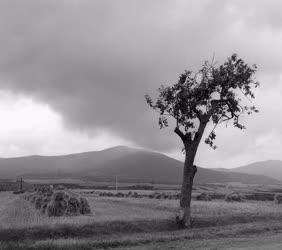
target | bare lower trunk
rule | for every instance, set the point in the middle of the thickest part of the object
(191, 146)
(184, 218)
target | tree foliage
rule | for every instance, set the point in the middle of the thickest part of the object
(216, 94)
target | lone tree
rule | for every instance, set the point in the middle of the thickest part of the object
(213, 95)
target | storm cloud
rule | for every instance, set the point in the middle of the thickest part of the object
(93, 61)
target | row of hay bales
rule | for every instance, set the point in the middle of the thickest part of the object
(155, 195)
(58, 202)
(120, 194)
(230, 197)
(171, 196)
(277, 198)
(238, 197)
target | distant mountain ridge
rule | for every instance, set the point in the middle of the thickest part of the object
(129, 164)
(270, 168)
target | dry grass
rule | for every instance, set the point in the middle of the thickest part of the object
(19, 219)
(157, 240)
(15, 212)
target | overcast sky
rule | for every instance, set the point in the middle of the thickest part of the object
(73, 73)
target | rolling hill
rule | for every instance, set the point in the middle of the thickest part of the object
(271, 168)
(130, 165)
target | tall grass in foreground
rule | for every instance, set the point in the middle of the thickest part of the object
(122, 241)
(19, 219)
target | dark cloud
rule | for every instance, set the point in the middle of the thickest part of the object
(93, 61)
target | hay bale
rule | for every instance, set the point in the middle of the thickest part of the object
(135, 195)
(151, 196)
(38, 202)
(109, 194)
(234, 197)
(169, 197)
(278, 198)
(45, 190)
(84, 206)
(45, 202)
(163, 195)
(33, 198)
(43, 208)
(73, 206)
(120, 195)
(60, 196)
(58, 204)
(203, 197)
(157, 195)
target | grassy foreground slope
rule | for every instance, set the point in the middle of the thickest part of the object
(125, 222)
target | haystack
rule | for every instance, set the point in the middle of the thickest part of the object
(203, 197)
(234, 197)
(60, 187)
(84, 206)
(58, 204)
(73, 207)
(278, 198)
(38, 202)
(45, 190)
(120, 195)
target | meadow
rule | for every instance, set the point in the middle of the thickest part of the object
(120, 221)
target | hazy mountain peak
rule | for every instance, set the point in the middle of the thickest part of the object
(270, 168)
(130, 164)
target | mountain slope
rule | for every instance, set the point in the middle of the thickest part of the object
(272, 169)
(130, 165)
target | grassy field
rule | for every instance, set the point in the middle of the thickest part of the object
(118, 222)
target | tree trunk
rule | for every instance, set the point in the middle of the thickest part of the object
(191, 147)
(189, 172)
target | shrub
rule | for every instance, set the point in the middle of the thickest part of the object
(278, 198)
(234, 197)
(203, 197)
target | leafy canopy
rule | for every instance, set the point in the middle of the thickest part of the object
(216, 94)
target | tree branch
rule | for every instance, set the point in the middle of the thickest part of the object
(198, 114)
(179, 133)
(200, 132)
